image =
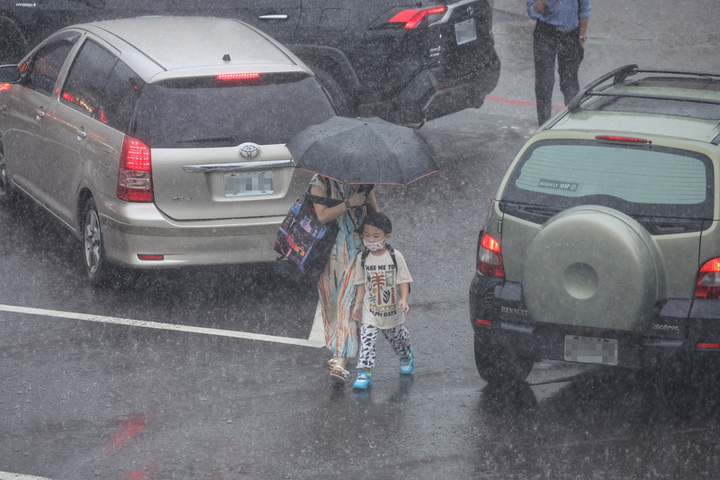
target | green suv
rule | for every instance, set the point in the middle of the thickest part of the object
(602, 245)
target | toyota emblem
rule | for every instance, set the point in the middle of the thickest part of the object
(249, 150)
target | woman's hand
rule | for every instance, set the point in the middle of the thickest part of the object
(327, 214)
(358, 199)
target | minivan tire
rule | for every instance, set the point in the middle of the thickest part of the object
(96, 264)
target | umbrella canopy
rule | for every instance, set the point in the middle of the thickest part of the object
(362, 151)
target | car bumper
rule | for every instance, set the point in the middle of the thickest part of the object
(133, 229)
(682, 329)
(427, 97)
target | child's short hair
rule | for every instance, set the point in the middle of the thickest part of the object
(378, 220)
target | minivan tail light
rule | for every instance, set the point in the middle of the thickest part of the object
(135, 172)
(708, 284)
(411, 18)
(238, 76)
(489, 257)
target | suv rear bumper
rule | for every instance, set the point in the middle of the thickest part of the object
(682, 329)
(426, 97)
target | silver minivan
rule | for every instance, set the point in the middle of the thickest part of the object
(159, 141)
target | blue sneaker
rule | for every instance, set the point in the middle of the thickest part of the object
(363, 381)
(407, 364)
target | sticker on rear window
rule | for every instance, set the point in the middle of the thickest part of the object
(568, 186)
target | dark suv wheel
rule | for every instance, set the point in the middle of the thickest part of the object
(501, 366)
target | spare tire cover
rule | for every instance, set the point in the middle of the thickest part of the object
(591, 267)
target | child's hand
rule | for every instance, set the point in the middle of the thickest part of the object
(356, 315)
(403, 305)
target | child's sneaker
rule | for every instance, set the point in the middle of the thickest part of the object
(407, 364)
(363, 381)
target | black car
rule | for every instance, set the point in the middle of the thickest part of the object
(406, 62)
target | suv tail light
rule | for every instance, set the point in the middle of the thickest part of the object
(708, 284)
(489, 256)
(135, 172)
(412, 18)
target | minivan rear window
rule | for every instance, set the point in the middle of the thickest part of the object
(208, 113)
(638, 180)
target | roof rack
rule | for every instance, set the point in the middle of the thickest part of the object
(621, 74)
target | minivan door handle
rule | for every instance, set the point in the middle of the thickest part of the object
(81, 133)
(39, 113)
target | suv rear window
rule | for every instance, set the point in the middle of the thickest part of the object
(209, 113)
(639, 181)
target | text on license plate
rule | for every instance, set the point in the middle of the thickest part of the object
(591, 350)
(249, 183)
(465, 31)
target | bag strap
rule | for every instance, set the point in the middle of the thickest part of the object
(366, 252)
(327, 200)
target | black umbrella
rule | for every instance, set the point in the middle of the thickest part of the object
(362, 151)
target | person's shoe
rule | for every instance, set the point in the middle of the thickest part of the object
(339, 374)
(407, 364)
(363, 381)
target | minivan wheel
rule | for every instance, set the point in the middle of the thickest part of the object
(96, 264)
(500, 366)
(6, 193)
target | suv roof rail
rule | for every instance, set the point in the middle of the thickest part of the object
(621, 74)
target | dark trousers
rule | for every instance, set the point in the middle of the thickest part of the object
(548, 43)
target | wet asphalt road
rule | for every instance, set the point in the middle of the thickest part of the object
(107, 396)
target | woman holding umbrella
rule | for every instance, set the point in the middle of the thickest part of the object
(335, 286)
(360, 153)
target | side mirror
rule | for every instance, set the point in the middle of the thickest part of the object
(9, 74)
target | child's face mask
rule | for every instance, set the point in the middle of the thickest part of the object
(375, 246)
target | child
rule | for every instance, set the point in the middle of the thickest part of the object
(383, 284)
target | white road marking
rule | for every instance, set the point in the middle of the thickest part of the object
(315, 340)
(17, 476)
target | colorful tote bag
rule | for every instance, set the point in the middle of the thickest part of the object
(303, 240)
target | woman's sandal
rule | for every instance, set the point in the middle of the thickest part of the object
(331, 363)
(339, 374)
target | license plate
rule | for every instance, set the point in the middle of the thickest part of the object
(248, 183)
(465, 31)
(602, 351)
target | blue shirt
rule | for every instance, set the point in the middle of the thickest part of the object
(564, 14)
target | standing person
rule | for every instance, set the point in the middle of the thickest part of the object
(335, 285)
(560, 31)
(381, 303)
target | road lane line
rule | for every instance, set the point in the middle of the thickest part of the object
(315, 340)
(17, 476)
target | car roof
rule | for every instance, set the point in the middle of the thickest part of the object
(648, 102)
(164, 47)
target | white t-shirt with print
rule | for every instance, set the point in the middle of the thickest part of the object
(382, 288)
